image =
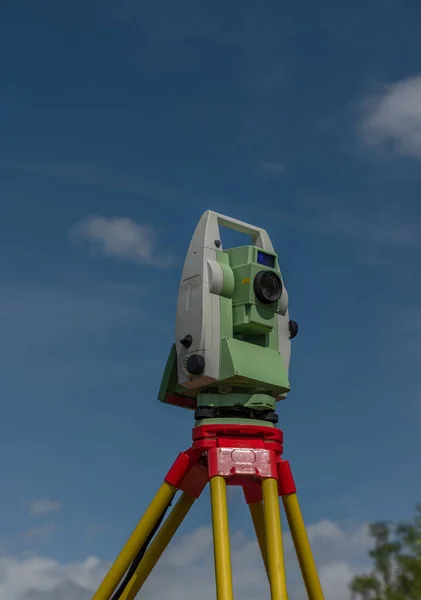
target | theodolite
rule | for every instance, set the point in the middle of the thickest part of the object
(229, 363)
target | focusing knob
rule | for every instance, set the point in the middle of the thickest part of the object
(293, 329)
(195, 364)
(187, 341)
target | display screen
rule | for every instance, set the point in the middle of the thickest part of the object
(268, 260)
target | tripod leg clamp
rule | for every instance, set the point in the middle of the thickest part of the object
(286, 483)
(187, 474)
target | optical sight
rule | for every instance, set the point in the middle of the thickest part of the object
(231, 356)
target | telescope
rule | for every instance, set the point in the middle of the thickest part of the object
(229, 363)
(231, 355)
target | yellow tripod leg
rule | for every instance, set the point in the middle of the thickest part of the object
(158, 545)
(221, 541)
(135, 541)
(302, 547)
(275, 552)
(258, 517)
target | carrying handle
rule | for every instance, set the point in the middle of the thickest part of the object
(214, 220)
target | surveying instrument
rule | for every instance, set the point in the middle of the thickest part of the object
(230, 365)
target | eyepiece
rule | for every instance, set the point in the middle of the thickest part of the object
(267, 286)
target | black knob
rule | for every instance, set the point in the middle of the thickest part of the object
(204, 412)
(187, 341)
(195, 364)
(293, 329)
(218, 243)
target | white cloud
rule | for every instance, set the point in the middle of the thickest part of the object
(39, 578)
(43, 506)
(185, 571)
(394, 117)
(121, 238)
(334, 578)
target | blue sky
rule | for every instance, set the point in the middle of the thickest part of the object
(131, 119)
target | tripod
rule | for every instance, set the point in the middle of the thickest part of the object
(221, 454)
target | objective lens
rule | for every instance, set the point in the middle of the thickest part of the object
(267, 286)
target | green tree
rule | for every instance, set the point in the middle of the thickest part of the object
(396, 555)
